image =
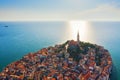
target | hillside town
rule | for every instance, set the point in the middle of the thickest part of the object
(73, 60)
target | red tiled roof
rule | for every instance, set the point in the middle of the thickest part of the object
(72, 42)
(86, 76)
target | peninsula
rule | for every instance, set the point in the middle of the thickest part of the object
(72, 60)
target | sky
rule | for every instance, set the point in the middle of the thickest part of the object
(93, 10)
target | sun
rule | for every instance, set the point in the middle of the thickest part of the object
(80, 26)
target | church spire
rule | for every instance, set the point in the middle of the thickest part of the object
(78, 38)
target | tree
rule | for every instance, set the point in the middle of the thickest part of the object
(74, 51)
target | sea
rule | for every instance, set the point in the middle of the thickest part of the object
(18, 38)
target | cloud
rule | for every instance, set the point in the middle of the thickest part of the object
(105, 12)
(102, 12)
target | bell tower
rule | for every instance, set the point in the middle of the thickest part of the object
(78, 37)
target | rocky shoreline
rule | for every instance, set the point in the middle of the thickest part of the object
(68, 61)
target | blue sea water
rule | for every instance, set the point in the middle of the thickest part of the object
(20, 38)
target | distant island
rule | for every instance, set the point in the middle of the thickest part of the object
(72, 60)
(5, 26)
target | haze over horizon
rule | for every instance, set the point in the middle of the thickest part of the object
(64, 10)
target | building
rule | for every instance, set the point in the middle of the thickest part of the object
(78, 38)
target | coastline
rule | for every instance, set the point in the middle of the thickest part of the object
(38, 59)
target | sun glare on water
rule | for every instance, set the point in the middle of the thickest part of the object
(80, 26)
